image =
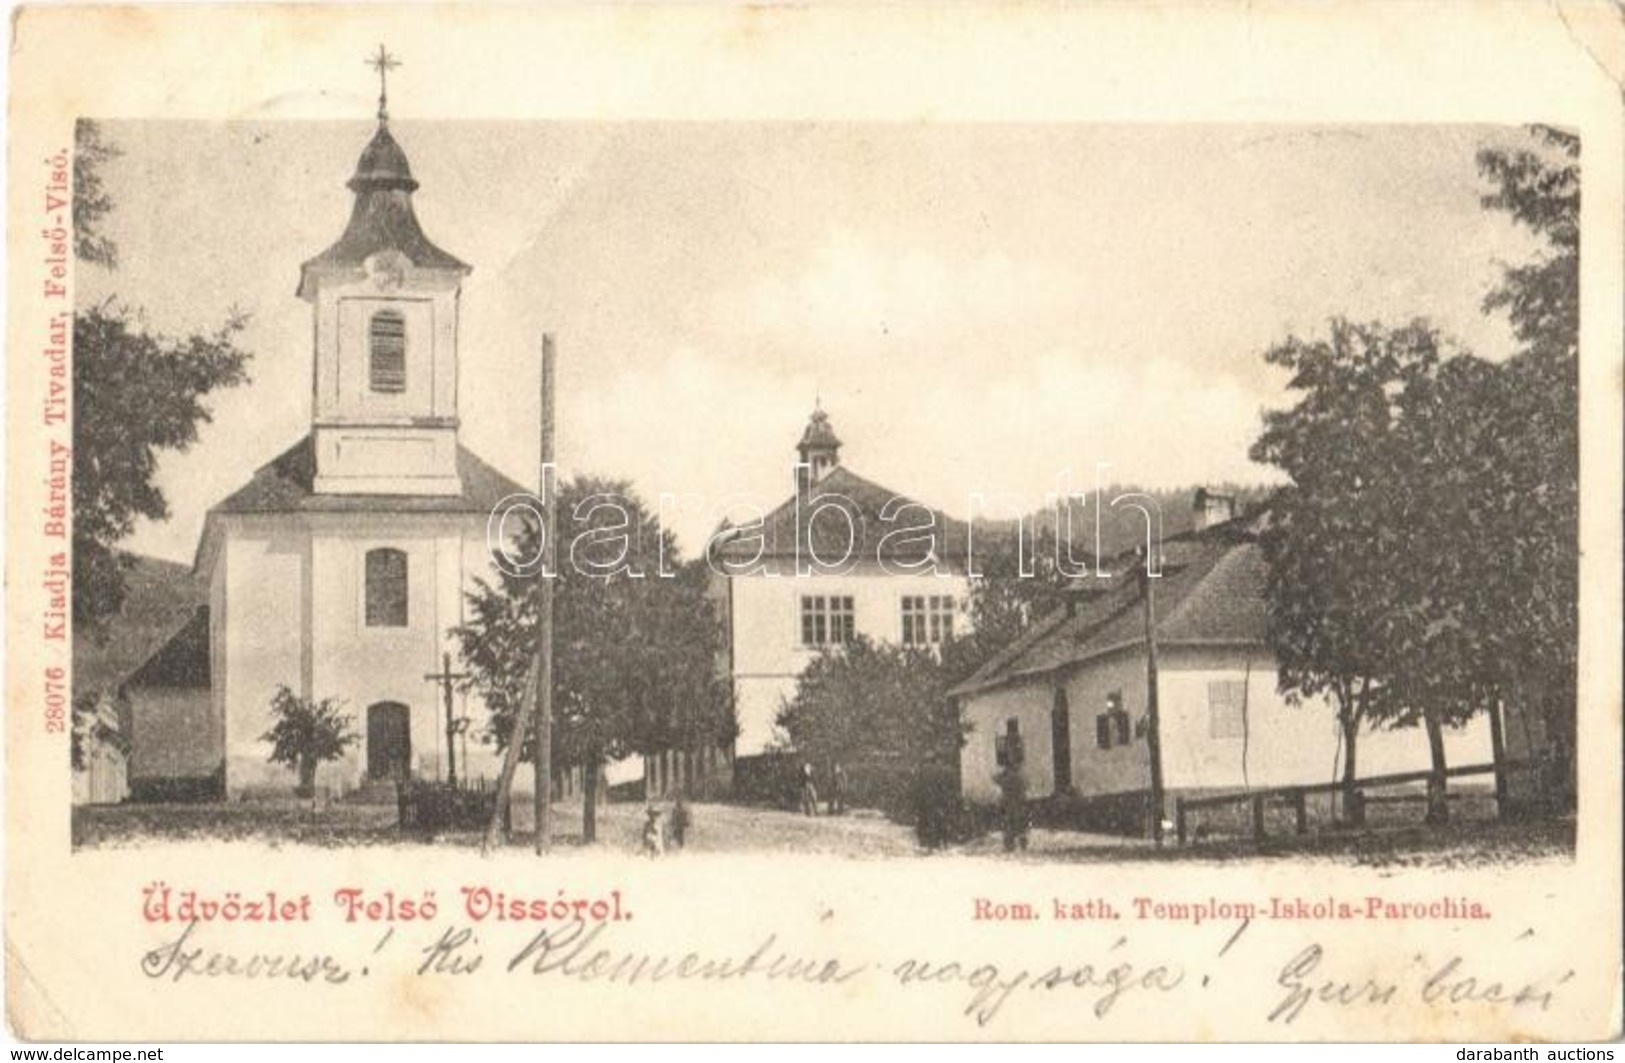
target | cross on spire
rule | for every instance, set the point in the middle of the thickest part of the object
(383, 62)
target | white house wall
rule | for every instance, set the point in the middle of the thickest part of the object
(767, 654)
(1029, 705)
(1094, 771)
(1285, 745)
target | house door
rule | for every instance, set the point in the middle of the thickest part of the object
(1060, 730)
(389, 741)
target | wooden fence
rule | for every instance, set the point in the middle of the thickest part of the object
(1296, 797)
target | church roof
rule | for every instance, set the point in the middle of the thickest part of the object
(1211, 593)
(382, 166)
(284, 485)
(159, 598)
(183, 661)
(382, 218)
(864, 502)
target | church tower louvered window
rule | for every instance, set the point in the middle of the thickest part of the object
(387, 346)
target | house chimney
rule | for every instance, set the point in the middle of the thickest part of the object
(1211, 507)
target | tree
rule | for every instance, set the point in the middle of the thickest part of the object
(1536, 438)
(1424, 558)
(135, 394)
(1334, 589)
(307, 734)
(635, 661)
(1390, 586)
(1539, 186)
(91, 200)
(1447, 648)
(1019, 581)
(875, 705)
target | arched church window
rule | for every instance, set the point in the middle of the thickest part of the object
(386, 588)
(386, 338)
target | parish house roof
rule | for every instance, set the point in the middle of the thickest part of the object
(1211, 593)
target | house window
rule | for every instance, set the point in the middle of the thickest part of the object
(1007, 750)
(386, 344)
(386, 588)
(826, 619)
(1227, 708)
(928, 619)
(1112, 726)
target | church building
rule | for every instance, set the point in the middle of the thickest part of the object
(340, 568)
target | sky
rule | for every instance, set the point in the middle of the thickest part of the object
(991, 308)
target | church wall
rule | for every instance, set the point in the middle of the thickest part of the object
(218, 668)
(364, 666)
(271, 584)
(361, 665)
(386, 442)
(263, 617)
(343, 311)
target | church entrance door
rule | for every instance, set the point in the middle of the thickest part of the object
(389, 741)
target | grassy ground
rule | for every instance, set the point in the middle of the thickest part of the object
(1468, 842)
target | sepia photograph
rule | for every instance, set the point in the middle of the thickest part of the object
(1347, 629)
(457, 533)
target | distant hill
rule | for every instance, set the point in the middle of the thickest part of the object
(161, 597)
(1122, 528)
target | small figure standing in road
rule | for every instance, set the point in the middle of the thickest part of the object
(809, 791)
(654, 841)
(837, 790)
(1013, 805)
(679, 820)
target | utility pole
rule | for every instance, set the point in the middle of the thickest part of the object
(539, 680)
(445, 677)
(1153, 729)
(544, 637)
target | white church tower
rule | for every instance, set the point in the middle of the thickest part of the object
(386, 302)
(340, 569)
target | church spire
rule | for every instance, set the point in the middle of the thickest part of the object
(383, 62)
(382, 218)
